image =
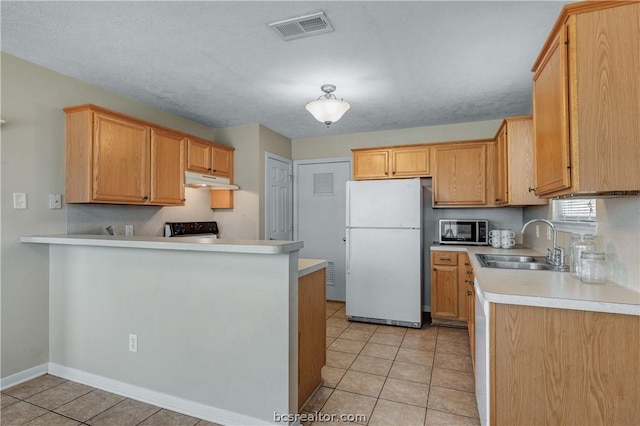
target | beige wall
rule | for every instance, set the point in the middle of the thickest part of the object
(341, 145)
(243, 220)
(33, 162)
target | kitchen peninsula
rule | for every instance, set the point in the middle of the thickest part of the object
(205, 327)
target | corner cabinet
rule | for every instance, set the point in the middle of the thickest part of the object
(460, 175)
(389, 163)
(513, 171)
(113, 158)
(586, 101)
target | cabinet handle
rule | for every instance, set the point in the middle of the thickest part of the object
(184, 199)
(145, 198)
(209, 168)
(532, 189)
(445, 258)
(469, 293)
(469, 273)
(467, 264)
(468, 282)
(213, 170)
(435, 270)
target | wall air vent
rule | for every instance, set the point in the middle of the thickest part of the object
(302, 26)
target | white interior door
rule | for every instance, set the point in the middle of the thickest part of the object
(320, 219)
(278, 198)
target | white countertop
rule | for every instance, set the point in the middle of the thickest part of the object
(163, 243)
(307, 266)
(545, 288)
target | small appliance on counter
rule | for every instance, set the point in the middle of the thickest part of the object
(191, 229)
(463, 231)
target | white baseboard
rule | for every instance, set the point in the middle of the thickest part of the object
(173, 403)
(23, 376)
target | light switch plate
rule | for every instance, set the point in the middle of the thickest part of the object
(19, 200)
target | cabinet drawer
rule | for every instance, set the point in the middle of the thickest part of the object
(445, 258)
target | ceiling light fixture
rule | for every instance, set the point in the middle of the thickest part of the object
(327, 108)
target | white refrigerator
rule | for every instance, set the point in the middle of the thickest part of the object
(384, 252)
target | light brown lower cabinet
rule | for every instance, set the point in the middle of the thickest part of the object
(560, 366)
(312, 332)
(449, 273)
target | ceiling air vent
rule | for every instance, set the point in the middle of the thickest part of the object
(303, 26)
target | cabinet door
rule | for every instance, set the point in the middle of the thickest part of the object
(199, 156)
(551, 119)
(167, 168)
(444, 292)
(312, 332)
(371, 164)
(519, 160)
(120, 160)
(410, 162)
(501, 170)
(460, 175)
(222, 162)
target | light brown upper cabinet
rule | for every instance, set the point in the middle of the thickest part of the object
(392, 162)
(586, 101)
(116, 159)
(167, 167)
(514, 163)
(460, 175)
(199, 157)
(208, 158)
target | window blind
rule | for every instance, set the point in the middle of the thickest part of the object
(583, 210)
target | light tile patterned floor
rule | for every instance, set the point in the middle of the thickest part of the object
(395, 375)
(392, 375)
(51, 401)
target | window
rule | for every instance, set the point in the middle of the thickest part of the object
(575, 215)
(582, 210)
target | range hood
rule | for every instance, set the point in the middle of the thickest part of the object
(198, 180)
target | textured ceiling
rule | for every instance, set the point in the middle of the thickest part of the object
(399, 64)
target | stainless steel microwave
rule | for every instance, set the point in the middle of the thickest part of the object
(464, 231)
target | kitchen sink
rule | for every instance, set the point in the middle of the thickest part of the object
(506, 261)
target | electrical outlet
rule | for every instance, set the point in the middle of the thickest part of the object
(133, 343)
(537, 231)
(128, 230)
(19, 200)
(55, 201)
(549, 233)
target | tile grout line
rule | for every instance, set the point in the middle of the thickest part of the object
(432, 367)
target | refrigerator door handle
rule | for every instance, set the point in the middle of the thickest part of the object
(348, 250)
(348, 204)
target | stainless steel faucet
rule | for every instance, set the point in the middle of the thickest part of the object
(556, 255)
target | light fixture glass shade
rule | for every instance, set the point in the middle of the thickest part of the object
(328, 111)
